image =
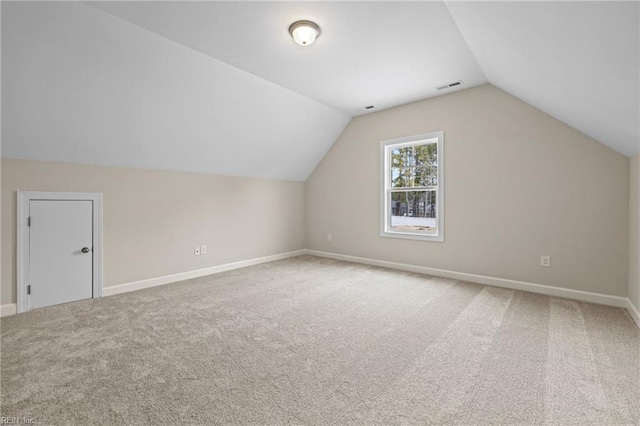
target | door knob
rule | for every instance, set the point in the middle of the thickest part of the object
(85, 249)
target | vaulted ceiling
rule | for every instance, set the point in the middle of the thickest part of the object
(576, 61)
(220, 87)
(369, 53)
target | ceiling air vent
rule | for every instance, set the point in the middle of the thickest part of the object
(450, 85)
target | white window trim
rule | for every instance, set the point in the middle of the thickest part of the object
(24, 197)
(384, 183)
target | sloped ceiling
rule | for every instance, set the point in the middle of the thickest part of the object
(220, 87)
(83, 86)
(369, 53)
(577, 61)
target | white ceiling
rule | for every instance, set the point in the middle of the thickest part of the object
(576, 61)
(83, 86)
(113, 84)
(369, 53)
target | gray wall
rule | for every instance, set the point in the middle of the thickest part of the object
(519, 184)
(154, 219)
(634, 232)
(634, 220)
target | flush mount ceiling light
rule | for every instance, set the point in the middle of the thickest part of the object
(304, 32)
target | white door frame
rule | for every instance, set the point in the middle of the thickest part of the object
(22, 252)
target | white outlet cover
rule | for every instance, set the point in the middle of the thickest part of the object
(203, 249)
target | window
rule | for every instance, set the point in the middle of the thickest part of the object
(412, 201)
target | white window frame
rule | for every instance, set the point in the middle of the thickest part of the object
(385, 185)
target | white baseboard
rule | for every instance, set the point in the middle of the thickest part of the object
(166, 279)
(8, 309)
(634, 312)
(585, 296)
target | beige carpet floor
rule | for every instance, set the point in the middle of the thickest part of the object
(316, 341)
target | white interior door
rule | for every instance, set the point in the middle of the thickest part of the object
(60, 251)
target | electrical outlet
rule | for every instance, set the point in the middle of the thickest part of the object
(329, 237)
(196, 251)
(545, 261)
(203, 249)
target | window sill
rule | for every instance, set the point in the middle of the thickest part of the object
(410, 236)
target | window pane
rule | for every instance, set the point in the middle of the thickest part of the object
(414, 166)
(402, 177)
(414, 212)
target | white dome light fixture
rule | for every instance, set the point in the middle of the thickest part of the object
(304, 32)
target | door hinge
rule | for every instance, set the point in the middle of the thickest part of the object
(29, 289)
(29, 221)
